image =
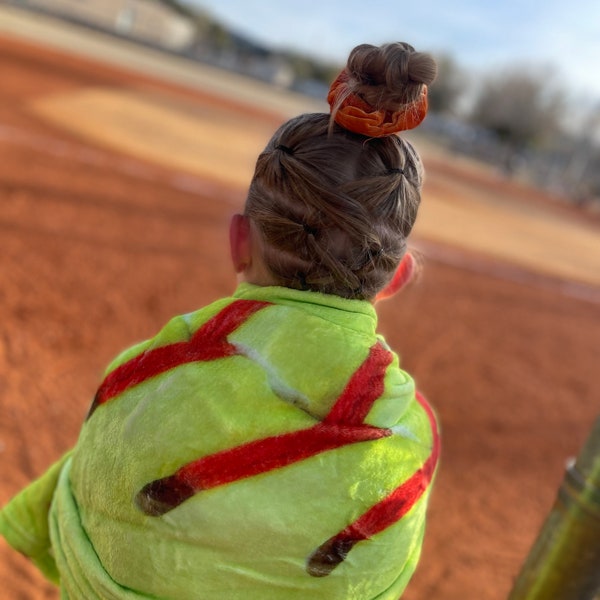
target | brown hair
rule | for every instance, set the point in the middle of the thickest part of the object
(390, 76)
(334, 208)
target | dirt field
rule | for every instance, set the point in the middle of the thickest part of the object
(115, 194)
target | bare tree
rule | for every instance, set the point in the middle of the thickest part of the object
(581, 174)
(520, 106)
(448, 87)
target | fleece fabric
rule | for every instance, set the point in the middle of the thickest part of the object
(266, 446)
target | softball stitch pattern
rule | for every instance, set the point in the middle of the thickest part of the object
(343, 425)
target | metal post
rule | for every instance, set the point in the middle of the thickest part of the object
(564, 562)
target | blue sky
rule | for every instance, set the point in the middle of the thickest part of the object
(481, 35)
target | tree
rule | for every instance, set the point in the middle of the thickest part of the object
(448, 87)
(520, 106)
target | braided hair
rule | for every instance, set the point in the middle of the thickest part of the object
(334, 208)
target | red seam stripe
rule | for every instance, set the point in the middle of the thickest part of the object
(248, 460)
(364, 388)
(208, 343)
(433, 459)
(383, 514)
(271, 453)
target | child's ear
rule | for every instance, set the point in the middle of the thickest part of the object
(240, 243)
(404, 272)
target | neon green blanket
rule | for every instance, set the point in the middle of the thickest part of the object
(266, 446)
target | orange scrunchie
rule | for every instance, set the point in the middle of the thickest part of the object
(358, 116)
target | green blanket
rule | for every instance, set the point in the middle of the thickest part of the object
(266, 446)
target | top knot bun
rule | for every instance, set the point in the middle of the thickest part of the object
(389, 76)
(382, 90)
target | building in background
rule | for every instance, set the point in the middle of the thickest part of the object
(151, 22)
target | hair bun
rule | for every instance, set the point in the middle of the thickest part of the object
(383, 89)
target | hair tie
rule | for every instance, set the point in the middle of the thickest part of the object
(302, 278)
(356, 115)
(309, 230)
(395, 171)
(285, 149)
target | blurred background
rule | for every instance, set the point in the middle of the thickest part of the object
(516, 87)
(128, 135)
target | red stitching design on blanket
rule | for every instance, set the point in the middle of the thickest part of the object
(343, 425)
(208, 343)
(381, 516)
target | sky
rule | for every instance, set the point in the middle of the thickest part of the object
(560, 36)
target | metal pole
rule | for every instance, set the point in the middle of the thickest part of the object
(564, 562)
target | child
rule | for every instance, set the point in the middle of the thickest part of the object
(267, 446)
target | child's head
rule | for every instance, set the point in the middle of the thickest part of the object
(332, 209)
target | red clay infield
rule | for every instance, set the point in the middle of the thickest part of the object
(103, 241)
